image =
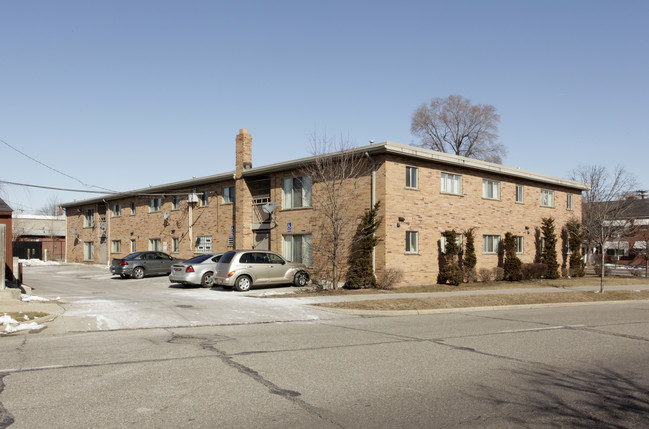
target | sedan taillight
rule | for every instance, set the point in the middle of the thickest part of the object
(123, 263)
(189, 269)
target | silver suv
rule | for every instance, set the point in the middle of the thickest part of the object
(242, 269)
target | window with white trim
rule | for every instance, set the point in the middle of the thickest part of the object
(175, 202)
(411, 177)
(490, 243)
(175, 245)
(117, 210)
(519, 194)
(89, 218)
(116, 246)
(155, 244)
(133, 206)
(519, 244)
(412, 241)
(458, 241)
(205, 199)
(89, 251)
(569, 202)
(133, 246)
(297, 248)
(296, 192)
(451, 184)
(228, 195)
(491, 189)
(204, 244)
(155, 204)
(547, 198)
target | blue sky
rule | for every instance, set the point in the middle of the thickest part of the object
(124, 94)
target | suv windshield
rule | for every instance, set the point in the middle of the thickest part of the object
(227, 257)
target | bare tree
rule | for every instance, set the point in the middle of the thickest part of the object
(454, 125)
(51, 207)
(604, 208)
(336, 172)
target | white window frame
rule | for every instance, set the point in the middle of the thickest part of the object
(547, 198)
(133, 208)
(89, 218)
(451, 184)
(155, 205)
(89, 251)
(229, 194)
(520, 194)
(205, 199)
(133, 245)
(412, 242)
(175, 202)
(175, 244)
(155, 244)
(490, 244)
(458, 241)
(298, 248)
(412, 177)
(116, 246)
(490, 189)
(520, 244)
(569, 202)
(204, 244)
(290, 193)
(117, 210)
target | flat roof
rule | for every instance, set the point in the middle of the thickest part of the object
(387, 147)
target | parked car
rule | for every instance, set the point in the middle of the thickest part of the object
(195, 271)
(243, 269)
(140, 264)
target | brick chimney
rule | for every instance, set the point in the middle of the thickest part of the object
(244, 151)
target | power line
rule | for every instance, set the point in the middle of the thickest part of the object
(57, 171)
(57, 189)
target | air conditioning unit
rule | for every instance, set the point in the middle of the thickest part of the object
(192, 198)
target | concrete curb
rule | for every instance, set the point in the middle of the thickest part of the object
(359, 312)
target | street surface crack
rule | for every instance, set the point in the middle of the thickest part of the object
(6, 419)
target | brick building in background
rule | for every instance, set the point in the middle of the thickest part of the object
(422, 193)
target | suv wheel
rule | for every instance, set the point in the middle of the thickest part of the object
(301, 279)
(243, 283)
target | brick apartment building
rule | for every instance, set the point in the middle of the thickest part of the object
(422, 193)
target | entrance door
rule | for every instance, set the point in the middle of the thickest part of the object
(262, 240)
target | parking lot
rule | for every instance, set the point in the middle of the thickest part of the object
(93, 299)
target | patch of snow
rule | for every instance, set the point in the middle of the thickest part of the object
(9, 325)
(33, 298)
(37, 262)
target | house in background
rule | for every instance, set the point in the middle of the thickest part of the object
(278, 207)
(39, 237)
(630, 247)
(5, 219)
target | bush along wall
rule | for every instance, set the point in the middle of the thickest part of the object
(512, 266)
(449, 270)
(549, 255)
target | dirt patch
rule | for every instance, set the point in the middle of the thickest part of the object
(489, 300)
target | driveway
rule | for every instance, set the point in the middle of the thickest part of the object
(94, 300)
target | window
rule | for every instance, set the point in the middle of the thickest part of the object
(175, 202)
(412, 241)
(297, 192)
(155, 244)
(458, 241)
(569, 202)
(519, 194)
(547, 198)
(116, 246)
(297, 248)
(411, 177)
(491, 189)
(132, 208)
(519, 244)
(89, 218)
(117, 210)
(205, 198)
(155, 205)
(228, 195)
(204, 244)
(175, 246)
(89, 251)
(490, 243)
(133, 246)
(451, 183)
